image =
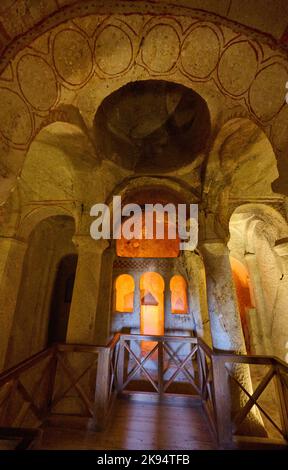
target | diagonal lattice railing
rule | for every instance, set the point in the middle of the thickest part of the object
(85, 380)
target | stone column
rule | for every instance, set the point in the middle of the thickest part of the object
(260, 337)
(197, 295)
(81, 325)
(12, 253)
(279, 335)
(226, 328)
(104, 308)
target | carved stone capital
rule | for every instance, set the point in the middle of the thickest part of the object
(86, 244)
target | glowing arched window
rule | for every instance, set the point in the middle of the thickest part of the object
(178, 288)
(124, 292)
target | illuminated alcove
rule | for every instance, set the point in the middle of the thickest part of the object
(178, 288)
(152, 307)
(124, 293)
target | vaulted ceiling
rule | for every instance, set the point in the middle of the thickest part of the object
(79, 62)
(21, 16)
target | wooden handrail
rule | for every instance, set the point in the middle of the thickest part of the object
(211, 382)
(18, 369)
(159, 338)
(252, 359)
(86, 348)
(112, 343)
(205, 347)
(67, 347)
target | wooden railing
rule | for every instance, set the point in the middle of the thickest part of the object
(166, 361)
(19, 438)
(25, 390)
(269, 377)
(83, 380)
(66, 379)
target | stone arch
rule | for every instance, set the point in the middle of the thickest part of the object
(130, 186)
(268, 219)
(25, 105)
(241, 162)
(36, 215)
(67, 138)
(165, 189)
(48, 239)
(255, 232)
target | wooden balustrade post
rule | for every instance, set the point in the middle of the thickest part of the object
(200, 365)
(283, 399)
(120, 365)
(160, 368)
(222, 401)
(51, 382)
(102, 388)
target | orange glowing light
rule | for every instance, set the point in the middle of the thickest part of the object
(178, 288)
(124, 288)
(150, 248)
(152, 308)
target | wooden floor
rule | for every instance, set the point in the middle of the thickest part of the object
(139, 426)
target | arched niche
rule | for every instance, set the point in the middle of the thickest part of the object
(144, 191)
(124, 293)
(48, 242)
(255, 232)
(152, 306)
(178, 289)
(241, 164)
(61, 299)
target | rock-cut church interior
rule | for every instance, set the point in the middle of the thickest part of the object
(137, 344)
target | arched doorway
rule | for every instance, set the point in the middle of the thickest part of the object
(48, 243)
(61, 299)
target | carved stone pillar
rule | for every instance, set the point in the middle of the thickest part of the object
(81, 325)
(226, 328)
(279, 335)
(12, 253)
(197, 295)
(104, 308)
